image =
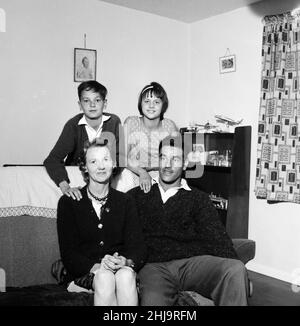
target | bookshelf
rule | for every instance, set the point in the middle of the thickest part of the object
(226, 175)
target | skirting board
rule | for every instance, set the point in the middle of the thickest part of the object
(292, 278)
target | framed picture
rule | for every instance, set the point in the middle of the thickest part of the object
(85, 64)
(227, 64)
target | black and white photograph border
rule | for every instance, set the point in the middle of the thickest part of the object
(85, 64)
(227, 63)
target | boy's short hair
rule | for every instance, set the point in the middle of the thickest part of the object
(159, 92)
(92, 85)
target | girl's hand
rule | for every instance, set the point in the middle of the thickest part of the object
(145, 181)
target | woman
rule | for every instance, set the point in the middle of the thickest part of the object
(143, 134)
(100, 237)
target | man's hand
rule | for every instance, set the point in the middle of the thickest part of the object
(65, 188)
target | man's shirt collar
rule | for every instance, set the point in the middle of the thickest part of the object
(183, 185)
(165, 195)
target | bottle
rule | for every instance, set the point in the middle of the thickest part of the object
(228, 157)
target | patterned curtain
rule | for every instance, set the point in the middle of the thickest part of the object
(278, 153)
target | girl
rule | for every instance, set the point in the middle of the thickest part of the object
(143, 134)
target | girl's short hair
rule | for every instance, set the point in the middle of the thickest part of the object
(157, 90)
(98, 142)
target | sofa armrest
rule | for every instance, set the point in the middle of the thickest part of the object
(245, 249)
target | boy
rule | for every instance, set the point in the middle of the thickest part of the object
(83, 127)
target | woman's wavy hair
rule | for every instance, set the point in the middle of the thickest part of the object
(98, 142)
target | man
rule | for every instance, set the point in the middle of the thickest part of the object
(86, 126)
(188, 246)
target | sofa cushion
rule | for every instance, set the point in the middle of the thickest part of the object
(44, 295)
(245, 249)
(57, 295)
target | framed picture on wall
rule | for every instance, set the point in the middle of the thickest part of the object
(85, 64)
(227, 64)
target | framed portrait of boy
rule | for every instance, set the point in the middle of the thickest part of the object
(85, 64)
(227, 64)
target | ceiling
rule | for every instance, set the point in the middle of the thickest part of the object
(187, 11)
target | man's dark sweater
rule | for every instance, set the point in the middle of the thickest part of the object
(69, 146)
(186, 225)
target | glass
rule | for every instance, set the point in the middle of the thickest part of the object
(228, 157)
(212, 158)
(220, 158)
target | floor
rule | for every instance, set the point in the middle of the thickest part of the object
(269, 291)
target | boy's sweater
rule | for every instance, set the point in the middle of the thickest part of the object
(70, 143)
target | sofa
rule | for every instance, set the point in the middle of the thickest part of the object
(29, 244)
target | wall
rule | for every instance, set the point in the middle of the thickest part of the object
(37, 92)
(275, 228)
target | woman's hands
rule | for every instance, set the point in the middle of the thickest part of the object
(113, 262)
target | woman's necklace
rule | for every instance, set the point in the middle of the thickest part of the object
(101, 200)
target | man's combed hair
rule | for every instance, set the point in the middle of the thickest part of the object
(173, 141)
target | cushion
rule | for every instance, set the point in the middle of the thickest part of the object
(44, 295)
(57, 295)
(245, 249)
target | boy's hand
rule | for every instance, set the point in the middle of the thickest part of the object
(65, 188)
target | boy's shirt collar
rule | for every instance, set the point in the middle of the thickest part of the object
(91, 132)
(83, 121)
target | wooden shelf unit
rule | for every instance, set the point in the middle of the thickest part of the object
(229, 182)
